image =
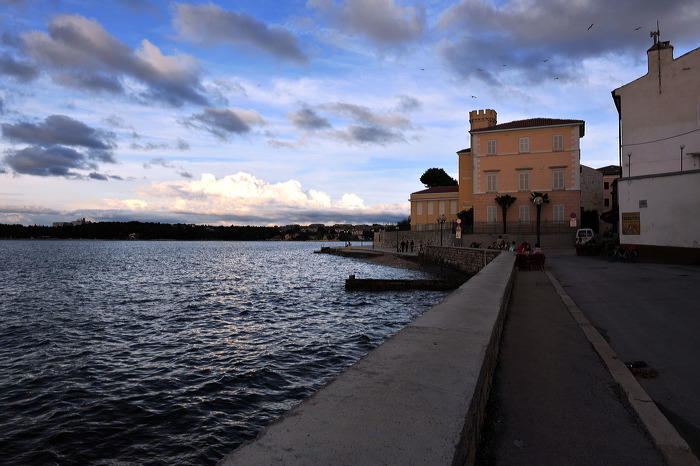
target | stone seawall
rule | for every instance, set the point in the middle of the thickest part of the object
(418, 398)
(465, 259)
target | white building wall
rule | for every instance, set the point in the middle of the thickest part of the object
(672, 213)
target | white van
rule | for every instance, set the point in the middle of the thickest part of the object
(584, 235)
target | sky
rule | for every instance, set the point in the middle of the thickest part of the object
(268, 112)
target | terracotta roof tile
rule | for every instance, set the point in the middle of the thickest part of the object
(530, 123)
(439, 189)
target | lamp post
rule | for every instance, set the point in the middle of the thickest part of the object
(538, 203)
(682, 147)
(397, 237)
(441, 219)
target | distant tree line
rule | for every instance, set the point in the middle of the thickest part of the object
(183, 232)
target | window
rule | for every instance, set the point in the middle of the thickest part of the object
(524, 145)
(558, 179)
(557, 142)
(453, 207)
(558, 213)
(419, 208)
(606, 185)
(523, 181)
(441, 207)
(524, 213)
(491, 147)
(492, 183)
(606, 202)
(491, 214)
(430, 208)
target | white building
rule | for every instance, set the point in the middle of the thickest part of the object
(659, 187)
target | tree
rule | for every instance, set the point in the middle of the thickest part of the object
(435, 177)
(405, 224)
(467, 218)
(505, 201)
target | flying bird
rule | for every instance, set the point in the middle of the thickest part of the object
(545, 61)
(637, 29)
(589, 27)
(473, 97)
(479, 69)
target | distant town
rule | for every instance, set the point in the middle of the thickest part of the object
(82, 229)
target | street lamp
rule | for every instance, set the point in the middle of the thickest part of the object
(538, 203)
(441, 219)
(682, 147)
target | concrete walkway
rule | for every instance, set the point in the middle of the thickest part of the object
(562, 396)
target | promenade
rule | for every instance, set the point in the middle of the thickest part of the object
(561, 393)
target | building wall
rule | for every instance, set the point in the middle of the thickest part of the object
(540, 162)
(591, 189)
(426, 207)
(466, 179)
(668, 209)
(657, 119)
(659, 112)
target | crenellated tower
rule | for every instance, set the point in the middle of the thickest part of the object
(480, 119)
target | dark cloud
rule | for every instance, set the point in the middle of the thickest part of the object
(223, 122)
(408, 104)
(80, 53)
(2, 106)
(57, 147)
(95, 82)
(48, 161)
(97, 176)
(383, 22)
(308, 119)
(212, 25)
(371, 135)
(23, 71)
(182, 144)
(59, 129)
(550, 38)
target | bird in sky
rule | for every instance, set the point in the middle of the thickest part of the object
(545, 61)
(479, 69)
(637, 29)
(473, 97)
(589, 27)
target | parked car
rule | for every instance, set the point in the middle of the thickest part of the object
(584, 235)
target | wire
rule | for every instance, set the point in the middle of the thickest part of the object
(659, 140)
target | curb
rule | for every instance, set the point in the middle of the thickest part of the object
(672, 446)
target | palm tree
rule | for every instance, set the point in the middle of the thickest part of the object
(505, 201)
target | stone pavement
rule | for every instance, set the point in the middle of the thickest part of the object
(561, 395)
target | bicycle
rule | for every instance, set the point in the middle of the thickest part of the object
(624, 253)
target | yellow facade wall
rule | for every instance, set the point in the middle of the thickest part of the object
(539, 163)
(425, 209)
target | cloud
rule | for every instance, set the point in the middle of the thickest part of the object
(308, 119)
(57, 146)
(80, 53)
(552, 36)
(224, 122)
(48, 161)
(381, 21)
(212, 25)
(59, 129)
(22, 71)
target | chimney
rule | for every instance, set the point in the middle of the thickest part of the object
(480, 119)
(660, 55)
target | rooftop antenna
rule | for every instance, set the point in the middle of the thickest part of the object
(657, 44)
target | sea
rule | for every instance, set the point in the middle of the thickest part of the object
(175, 353)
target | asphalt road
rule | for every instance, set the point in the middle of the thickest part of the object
(650, 315)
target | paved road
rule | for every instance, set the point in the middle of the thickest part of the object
(650, 313)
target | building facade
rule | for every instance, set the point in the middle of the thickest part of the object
(519, 158)
(429, 204)
(659, 125)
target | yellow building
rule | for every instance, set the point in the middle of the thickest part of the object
(429, 204)
(519, 158)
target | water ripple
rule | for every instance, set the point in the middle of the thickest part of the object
(172, 352)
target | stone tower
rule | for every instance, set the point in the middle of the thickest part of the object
(480, 119)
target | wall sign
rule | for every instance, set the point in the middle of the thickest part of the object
(630, 223)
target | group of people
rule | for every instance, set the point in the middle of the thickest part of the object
(408, 246)
(524, 247)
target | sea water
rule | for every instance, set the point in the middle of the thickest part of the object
(174, 352)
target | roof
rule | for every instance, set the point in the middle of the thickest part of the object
(610, 170)
(439, 189)
(532, 123)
